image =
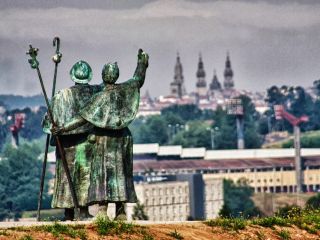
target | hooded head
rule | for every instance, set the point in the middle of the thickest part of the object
(110, 73)
(81, 72)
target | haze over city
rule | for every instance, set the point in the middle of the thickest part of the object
(270, 42)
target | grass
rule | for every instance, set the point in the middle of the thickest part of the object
(106, 227)
(147, 237)
(260, 235)
(58, 229)
(145, 234)
(27, 237)
(270, 222)
(308, 220)
(308, 139)
(283, 234)
(176, 235)
(4, 233)
(234, 224)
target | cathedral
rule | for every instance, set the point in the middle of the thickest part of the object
(203, 91)
(207, 95)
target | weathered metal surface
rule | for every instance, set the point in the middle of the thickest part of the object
(98, 145)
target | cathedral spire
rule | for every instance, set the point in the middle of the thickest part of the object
(177, 86)
(215, 84)
(201, 82)
(228, 74)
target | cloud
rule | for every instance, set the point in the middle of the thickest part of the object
(162, 14)
(240, 13)
(261, 36)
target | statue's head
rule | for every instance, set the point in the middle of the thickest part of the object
(81, 72)
(110, 73)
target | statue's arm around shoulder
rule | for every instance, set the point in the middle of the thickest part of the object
(69, 126)
(78, 121)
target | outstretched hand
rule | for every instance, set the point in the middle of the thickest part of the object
(143, 57)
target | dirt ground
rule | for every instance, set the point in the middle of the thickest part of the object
(192, 231)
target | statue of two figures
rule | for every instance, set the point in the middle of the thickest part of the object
(92, 124)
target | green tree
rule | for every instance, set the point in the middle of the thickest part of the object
(188, 112)
(139, 212)
(289, 211)
(195, 135)
(153, 129)
(237, 200)
(19, 180)
(314, 202)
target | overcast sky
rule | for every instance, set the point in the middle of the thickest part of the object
(270, 42)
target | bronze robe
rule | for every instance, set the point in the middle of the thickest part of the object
(111, 111)
(65, 106)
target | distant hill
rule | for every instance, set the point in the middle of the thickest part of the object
(310, 139)
(20, 102)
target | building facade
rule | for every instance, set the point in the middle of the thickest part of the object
(165, 201)
(180, 197)
(213, 197)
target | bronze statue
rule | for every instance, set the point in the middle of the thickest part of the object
(107, 150)
(65, 106)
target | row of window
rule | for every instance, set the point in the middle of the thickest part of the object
(166, 200)
(168, 210)
(166, 191)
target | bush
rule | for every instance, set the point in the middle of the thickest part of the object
(289, 211)
(235, 224)
(314, 202)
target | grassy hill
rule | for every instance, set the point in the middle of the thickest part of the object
(305, 225)
(309, 139)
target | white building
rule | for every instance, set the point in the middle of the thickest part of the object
(165, 201)
(213, 195)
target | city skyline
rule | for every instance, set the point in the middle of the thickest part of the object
(270, 43)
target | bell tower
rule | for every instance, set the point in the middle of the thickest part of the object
(177, 86)
(215, 85)
(201, 84)
(228, 75)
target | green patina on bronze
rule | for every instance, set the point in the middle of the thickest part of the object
(96, 139)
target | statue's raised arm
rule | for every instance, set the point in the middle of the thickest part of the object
(140, 72)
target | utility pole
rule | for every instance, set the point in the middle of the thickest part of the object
(294, 121)
(212, 136)
(235, 107)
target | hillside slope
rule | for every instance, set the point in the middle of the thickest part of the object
(187, 230)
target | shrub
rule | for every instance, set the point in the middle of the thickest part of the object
(283, 234)
(289, 211)
(176, 235)
(314, 202)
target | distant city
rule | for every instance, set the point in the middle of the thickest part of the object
(174, 182)
(206, 95)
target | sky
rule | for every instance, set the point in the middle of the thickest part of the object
(275, 42)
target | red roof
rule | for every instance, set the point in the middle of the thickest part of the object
(234, 164)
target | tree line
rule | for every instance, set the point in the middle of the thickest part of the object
(20, 170)
(189, 126)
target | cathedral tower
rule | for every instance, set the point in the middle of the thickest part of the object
(201, 81)
(177, 86)
(228, 75)
(215, 85)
